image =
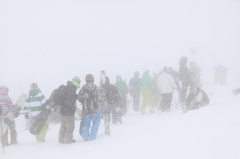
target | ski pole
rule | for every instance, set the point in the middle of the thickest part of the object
(2, 129)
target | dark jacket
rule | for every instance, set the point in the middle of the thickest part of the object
(112, 93)
(88, 96)
(70, 97)
(184, 74)
(134, 86)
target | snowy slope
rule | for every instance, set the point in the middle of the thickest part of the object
(211, 132)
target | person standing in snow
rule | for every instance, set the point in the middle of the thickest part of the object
(88, 96)
(220, 74)
(185, 78)
(112, 96)
(7, 106)
(166, 84)
(146, 86)
(134, 90)
(123, 90)
(67, 111)
(196, 73)
(32, 108)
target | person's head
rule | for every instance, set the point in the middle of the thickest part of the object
(89, 78)
(4, 90)
(136, 74)
(34, 86)
(165, 69)
(119, 78)
(184, 60)
(170, 69)
(76, 81)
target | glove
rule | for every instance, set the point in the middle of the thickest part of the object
(26, 116)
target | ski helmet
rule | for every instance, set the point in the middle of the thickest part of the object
(89, 78)
(77, 79)
(34, 86)
(184, 59)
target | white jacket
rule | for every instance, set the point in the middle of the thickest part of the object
(166, 83)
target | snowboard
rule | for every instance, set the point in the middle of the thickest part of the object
(40, 121)
(19, 104)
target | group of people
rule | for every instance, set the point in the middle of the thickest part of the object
(156, 93)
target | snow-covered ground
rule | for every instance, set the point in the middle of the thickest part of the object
(211, 132)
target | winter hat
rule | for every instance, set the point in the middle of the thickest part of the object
(3, 90)
(34, 86)
(77, 79)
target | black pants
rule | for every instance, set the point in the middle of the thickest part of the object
(136, 101)
(165, 104)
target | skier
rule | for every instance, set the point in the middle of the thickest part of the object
(197, 98)
(196, 73)
(220, 74)
(184, 76)
(155, 91)
(112, 96)
(67, 110)
(146, 86)
(32, 108)
(7, 106)
(88, 96)
(134, 90)
(166, 84)
(123, 90)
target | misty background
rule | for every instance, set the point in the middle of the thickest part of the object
(50, 41)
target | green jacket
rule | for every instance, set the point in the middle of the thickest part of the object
(122, 87)
(146, 82)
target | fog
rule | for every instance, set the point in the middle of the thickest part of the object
(50, 41)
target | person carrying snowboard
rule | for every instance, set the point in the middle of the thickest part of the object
(88, 96)
(7, 106)
(134, 90)
(112, 96)
(32, 108)
(67, 101)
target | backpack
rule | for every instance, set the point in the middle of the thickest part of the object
(59, 95)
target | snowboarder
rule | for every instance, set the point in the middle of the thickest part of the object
(220, 74)
(185, 78)
(67, 104)
(166, 84)
(112, 96)
(146, 86)
(88, 96)
(197, 98)
(196, 73)
(32, 108)
(123, 90)
(7, 106)
(134, 90)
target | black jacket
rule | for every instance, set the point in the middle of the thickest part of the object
(70, 97)
(134, 86)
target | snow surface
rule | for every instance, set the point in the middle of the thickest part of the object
(211, 132)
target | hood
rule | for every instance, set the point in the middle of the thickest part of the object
(3, 90)
(34, 92)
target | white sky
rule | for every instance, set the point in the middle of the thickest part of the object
(50, 41)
